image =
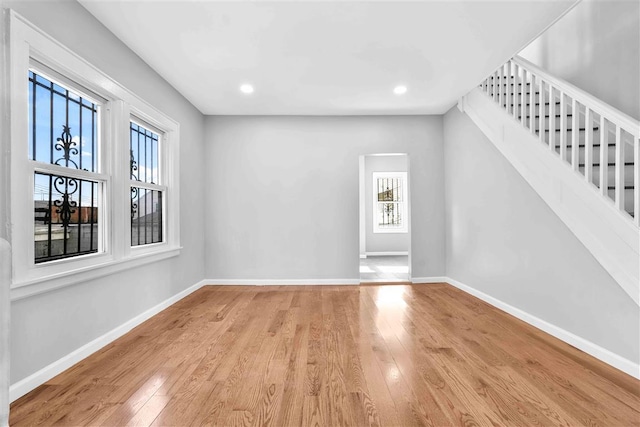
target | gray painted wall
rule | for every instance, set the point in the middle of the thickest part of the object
(282, 193)
(596, 47)
(382, 242)
(502, 239)
(49, 326)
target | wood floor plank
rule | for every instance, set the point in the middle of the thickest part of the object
(537, 362)
(376, 355)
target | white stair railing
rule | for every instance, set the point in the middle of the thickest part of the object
(597, 141)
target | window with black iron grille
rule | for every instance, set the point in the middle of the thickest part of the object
(63, 145)
(95, 169)
(146, 192)
(390, 194)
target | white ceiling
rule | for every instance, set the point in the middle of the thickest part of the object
(327, 57)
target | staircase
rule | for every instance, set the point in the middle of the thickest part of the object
(581, 155)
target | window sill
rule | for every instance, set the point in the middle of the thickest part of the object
(73, 276)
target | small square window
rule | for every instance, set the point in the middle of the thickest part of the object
(390, 202)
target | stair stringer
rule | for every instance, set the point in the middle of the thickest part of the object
(611, 237)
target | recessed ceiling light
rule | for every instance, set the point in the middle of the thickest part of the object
(246, 88)
(400, 90)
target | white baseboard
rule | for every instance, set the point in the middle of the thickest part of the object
(383, 281)
(600, 353)
(388, 253)
(435, 279)
(29, 383)
(278, 282)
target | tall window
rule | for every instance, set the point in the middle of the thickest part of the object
(390, 202)
(94, 169)
(63, 145)
(146, 193)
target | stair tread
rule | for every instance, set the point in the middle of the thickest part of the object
(581, 165)
(546, 116)
(569, 130)
(582, 145)
(508, 84)
(537, 103)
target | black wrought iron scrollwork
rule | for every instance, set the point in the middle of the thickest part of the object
(388, 209)
(133, 167)
(64, 185)
(134, 205)
(65, 207)
(134, 190)
(66, 144)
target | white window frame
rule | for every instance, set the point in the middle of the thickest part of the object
(98, 176)
(160, 186)
(405, 200)
(118, 106)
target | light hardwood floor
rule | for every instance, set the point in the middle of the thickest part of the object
(352, 355)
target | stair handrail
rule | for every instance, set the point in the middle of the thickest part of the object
(612, 114)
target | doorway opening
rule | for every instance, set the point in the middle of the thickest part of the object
(385, 220)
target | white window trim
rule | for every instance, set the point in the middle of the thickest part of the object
(163, 167)
(405, 201)
(28, 43)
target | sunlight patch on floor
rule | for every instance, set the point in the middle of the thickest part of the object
(393, 268)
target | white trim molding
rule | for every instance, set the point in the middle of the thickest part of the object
(5, 313)
(387, 253)
(434, 279)
(385, 281)
(82, 275)
(29, 383)
(625, 365)
(280, 282)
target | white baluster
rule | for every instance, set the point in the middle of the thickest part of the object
(636, 180)
(541, 120)
(506, 78)
(523, 97)
(552, 119)
(508, 87)
(490, 88)
(588, 145)
(495, 85)
(516, 103)
(501, 85)
(532, 104)
(604, 156)
(619, 170)
(563, 127)
(575, 134)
